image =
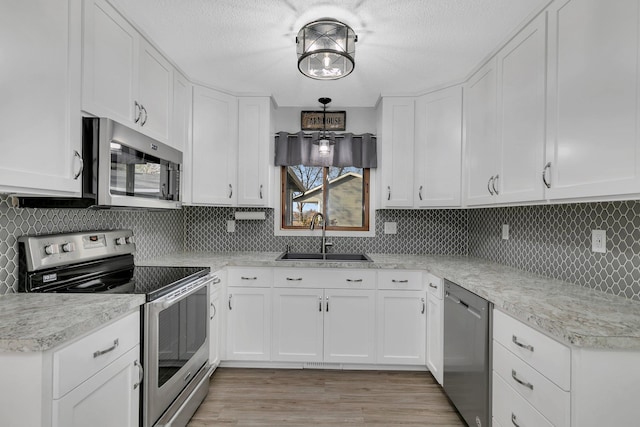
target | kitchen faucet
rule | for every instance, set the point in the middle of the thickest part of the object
(323, 248)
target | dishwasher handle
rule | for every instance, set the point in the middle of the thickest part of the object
(474, 311)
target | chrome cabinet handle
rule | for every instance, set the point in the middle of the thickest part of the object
(261, 191)
(431, 285)
(527, 384)
(399, 281)
(140, 374)
(216, 280)
(76, 154)
(294, 279)
(489, 185)
(248, 278)
(420, 192)
(388, 192)
(327, 300)
(320, 304)
(138, 111)
(544, 175)
(423, 306)
(514, 420)
(354, 280)
(146, 116)
(519, 344)
(213, 306)
(230, 190)
(98, 353)
(230, 308)
(493, 184)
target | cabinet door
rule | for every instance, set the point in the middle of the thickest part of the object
(349, 326)
(521, 114)
(255, 158)
(109, 63)
(480, 133)
(40, 86)
(109, 398)
(593, 140)
(401, 329)
(438, 149)
(396, 144)
(181, 115)
(248, 323)
(214, 154)
(435, 333)
(214, 326)
(298, 324)
(155, 76)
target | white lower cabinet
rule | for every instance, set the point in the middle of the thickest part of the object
(215, 315)
(248, 323)
(402, 326)
(435, 327)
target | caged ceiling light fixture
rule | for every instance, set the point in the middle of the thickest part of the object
(324, 142)
(326, 49)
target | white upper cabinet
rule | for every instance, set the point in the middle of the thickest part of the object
(214, 148)
(593, 145)
(255, 151)
(438, 148)
(480, 132)
(521, 115)
(123, 76)
(40, 108)
(396, 142)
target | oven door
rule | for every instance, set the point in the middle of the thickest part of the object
(176, 346)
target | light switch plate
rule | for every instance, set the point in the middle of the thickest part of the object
(505, 231)
(231, 226)
(390, 228)
(599, 241)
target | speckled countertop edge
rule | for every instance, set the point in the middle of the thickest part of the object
(39, 322)
(572, 314)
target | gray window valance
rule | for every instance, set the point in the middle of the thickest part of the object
(348, 150)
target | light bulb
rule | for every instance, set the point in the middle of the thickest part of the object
(326, 61)
(323, 147)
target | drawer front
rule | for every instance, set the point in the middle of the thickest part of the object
(549, 399)
(80, 360)
(549, 357)
(324, 278)
(510, 409)
(258, 277)
(399, 279)
(435, 285)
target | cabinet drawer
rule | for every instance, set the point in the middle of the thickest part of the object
(551, 401)
(261, 277)
(435, 285)
(547, 356)
(324, 278)
(510, 409)
(80, 360)
(398, 279)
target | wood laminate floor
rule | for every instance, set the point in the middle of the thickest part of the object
(282, 397)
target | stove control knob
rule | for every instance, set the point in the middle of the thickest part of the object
(121, 241)
(52, 249)
(68, 247)
(129, 240)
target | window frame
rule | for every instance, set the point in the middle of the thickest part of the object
(367, 223)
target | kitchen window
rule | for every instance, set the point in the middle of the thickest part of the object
(340, 194)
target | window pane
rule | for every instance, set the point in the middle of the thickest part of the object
(303, 195)
(345, 201)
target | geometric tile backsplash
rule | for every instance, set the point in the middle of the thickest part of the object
(551, 240)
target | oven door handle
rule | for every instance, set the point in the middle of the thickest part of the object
(172, 298)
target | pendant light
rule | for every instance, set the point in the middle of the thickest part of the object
(324, 142)
(326, 49)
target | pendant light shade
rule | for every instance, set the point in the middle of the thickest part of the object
(326, 49)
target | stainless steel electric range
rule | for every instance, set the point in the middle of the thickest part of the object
(175, 317)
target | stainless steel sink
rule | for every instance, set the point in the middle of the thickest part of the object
(292, 256)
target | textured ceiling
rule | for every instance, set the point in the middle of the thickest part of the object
(404, 46)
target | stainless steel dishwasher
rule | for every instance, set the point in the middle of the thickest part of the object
(467, 354)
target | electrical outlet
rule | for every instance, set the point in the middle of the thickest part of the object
(231, 226)
(599, 241)
(505, 231)
(390, 228)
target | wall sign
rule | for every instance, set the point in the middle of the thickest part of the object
(312, 120)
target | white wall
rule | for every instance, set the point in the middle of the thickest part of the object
(359, 119)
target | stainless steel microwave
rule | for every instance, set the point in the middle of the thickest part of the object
(121, 168)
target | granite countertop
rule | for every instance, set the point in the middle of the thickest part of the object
(38, 322)
(572, 314)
